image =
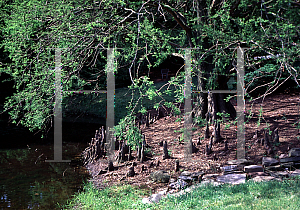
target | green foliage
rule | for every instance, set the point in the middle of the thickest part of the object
(127, 131)
(85, 29)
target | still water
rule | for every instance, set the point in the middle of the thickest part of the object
(28, 182)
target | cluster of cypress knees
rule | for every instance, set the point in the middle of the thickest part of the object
(98, 146)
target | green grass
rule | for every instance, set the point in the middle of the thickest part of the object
(251, 195)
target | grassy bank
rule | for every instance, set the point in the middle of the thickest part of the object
(251, 195)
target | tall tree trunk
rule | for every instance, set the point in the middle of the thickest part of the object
(212, 102)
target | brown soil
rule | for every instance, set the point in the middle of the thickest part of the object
(278, 111)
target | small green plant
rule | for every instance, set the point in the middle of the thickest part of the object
(179, 119)
(148, 151)
(127, 130)
(179, 131)
(223, 116)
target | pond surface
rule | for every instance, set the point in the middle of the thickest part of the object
(27, 181)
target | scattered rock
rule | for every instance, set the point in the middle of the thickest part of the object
(263, 178)
(294, 152)
(155, 198)
(290, 159)
(186, 178)
(283, 156)
(172, 180)
(186, 173)
(229, 168)
(281, 174)
(296, 172)
(146, 200)
(232, 178)
(160, 176)
(210, 181)
(268, 161)
(239, 162)
(274, 168)
(210, 176)
(179, 184)
(287, 165)
(254, 174)
(197, 175)
(253, 168)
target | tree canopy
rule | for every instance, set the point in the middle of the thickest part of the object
(147, 32)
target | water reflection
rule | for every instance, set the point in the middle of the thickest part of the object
(28, 182)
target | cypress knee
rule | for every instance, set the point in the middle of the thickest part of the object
(199, 141)
(110, 166)
(131, 172)
(176, 165)
(207, 131)
(226, 146)
(276, 137)
(142, 153)
(166, 154)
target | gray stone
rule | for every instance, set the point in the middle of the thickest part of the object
(210, 182)
(210, 176)
(196, 175)
(254, 174)
(186, 173)
(232, 178)
(294, 152)
(262, 178)
(172, 180)
(253, 168)
(163, 192)
(229, 168)
(155, 198)
(179, 184)
(160, 176)
(287, 165)
(296, 172)
(274, 168)
(146, 200)
(283, 156)
(239, 162)
(186, 178)
(232, 172)
(290, 159)
(268, 161)
(281, 174)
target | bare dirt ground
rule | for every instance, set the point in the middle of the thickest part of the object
(278, 111)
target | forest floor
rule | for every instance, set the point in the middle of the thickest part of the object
(281, 110)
